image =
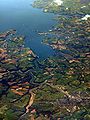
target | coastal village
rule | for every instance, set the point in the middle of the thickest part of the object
(57, 88)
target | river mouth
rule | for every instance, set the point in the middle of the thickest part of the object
(20, 15)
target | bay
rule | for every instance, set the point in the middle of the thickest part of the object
(20, 15)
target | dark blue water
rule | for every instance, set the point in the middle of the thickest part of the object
(20, 15)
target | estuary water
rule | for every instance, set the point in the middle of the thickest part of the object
(20, 15)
